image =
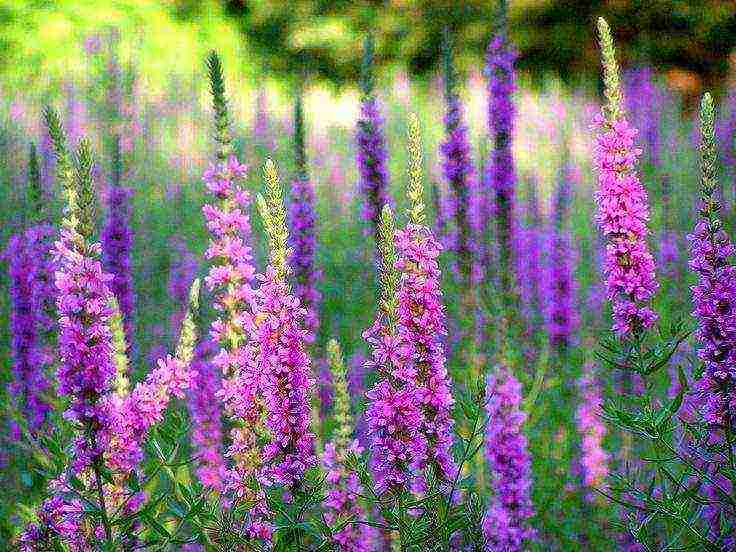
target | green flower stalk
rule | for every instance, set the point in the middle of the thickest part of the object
(389, 275)
(415, 191)
(343, 487)
(65, 172)
(610, 73)
(341, 404)
(272, 210)
(86, 197)
(219, 105)
(121, 385)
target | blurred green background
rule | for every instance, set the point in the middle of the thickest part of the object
(41, 41)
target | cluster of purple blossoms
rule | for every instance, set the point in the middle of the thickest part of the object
(463, 201)
(57, 518)
(622, 216)
(341, 499)
(133, 415)
(421, 328)
(231, 278)
(505, 526)
(303, 243)
(117, 245)
(500, 178)
(714, 297)
(394, 414)
(727, 136)
(30, 296)
(286, 381)
(593, 458)
(86, 370)
(204, 408)
(562, 314)
(372, 162)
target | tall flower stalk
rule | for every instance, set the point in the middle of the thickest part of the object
(281, 356)
(31, 271)
(394, 413)
(86, 371)
(714, 295)
(501, 171)
(623, 213)
(117, 241)
(459, 174)
(204, 408)
(303, 220)
(231, 278)
(506, 524)
(421, 317)
(372, 154)
(594, 459)
(562, 316)
(343, 485)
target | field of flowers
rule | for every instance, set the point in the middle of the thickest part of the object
(468, 315)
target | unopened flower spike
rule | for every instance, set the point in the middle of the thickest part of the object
(85, 189)
(366, 72)
(708, 181)
(219, 105)
(343, 416)
(389, 275)
(611, 78)
(64, 167)
(414, 189)
(35, 187)
(188, 333)
(300, 149)
(121, 385)
(271, 207)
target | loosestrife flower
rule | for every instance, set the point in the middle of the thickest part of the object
(501, 172)
(204, 408)
(593, 457)
(562, 316)
(230, 279)
(371, 145)
(505, 526)
(421, 319)
(623, 212)
(394, 414)
(281, 353)
(117, 244)
(57, 518)
(344, 488)
(32, 294)
(87, 370)
(134, 414)
(714, 295)
(421, 325)
(459, 173)
(205, 413)
(303, 241)
(29, 273)
(644, 100)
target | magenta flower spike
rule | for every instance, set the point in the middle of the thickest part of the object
(623, 213)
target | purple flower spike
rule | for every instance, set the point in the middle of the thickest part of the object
(506, 524)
